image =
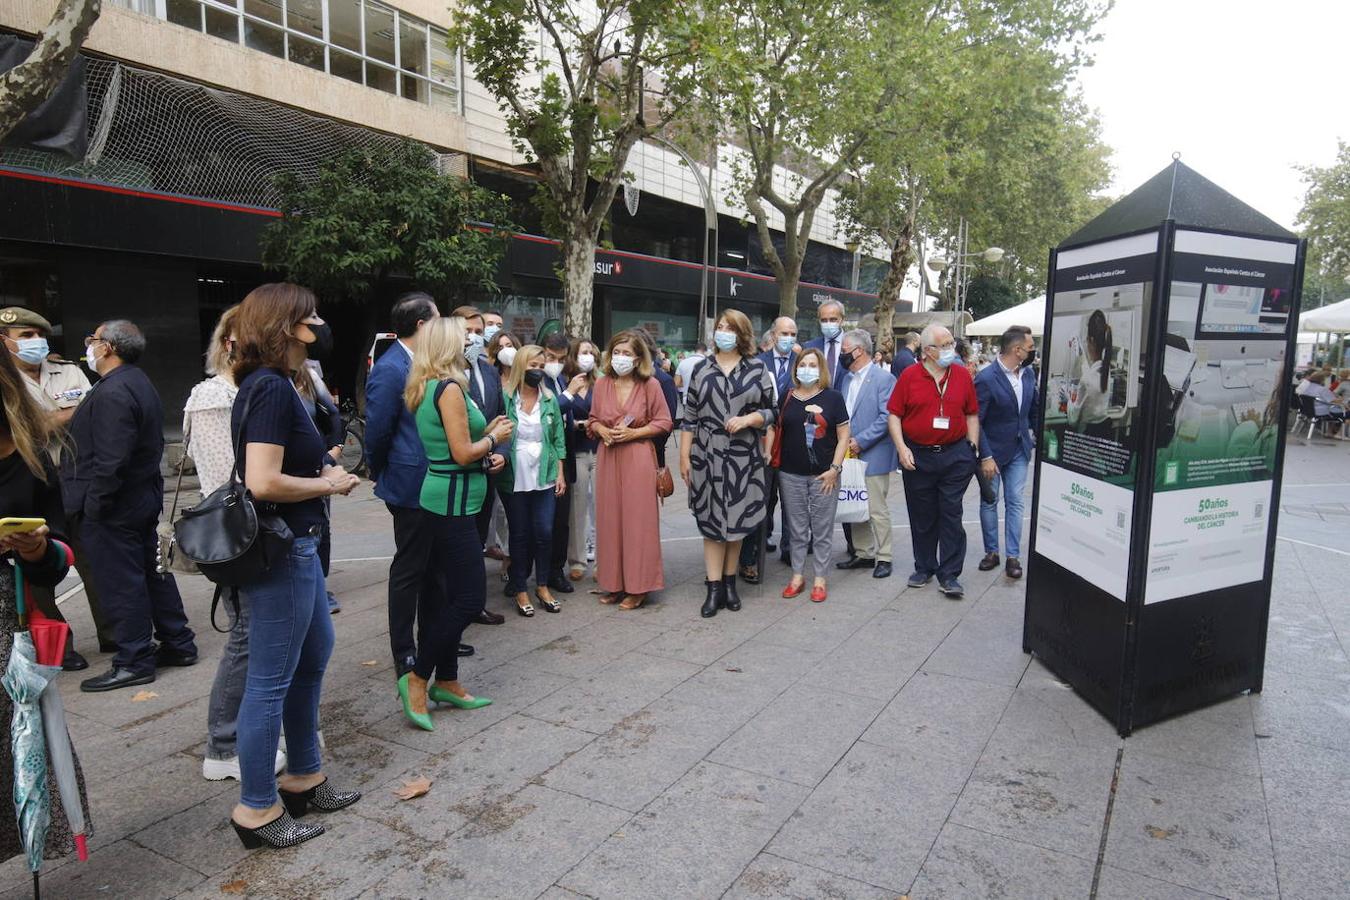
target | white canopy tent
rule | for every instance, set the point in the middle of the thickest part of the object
(1031, 314)
(1333, 318)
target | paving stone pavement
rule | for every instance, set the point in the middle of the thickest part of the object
(887, 742)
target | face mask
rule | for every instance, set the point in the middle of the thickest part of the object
(534, 377)
(848, 359)
(830, 330)
(586, 362)
(32, 350)
(725, 340)
(807, 376)
(1030, 360)
(786, 342)
(506, 356)
(91, 359)
(553, 369)
(491, 331)
(622, 364)
(474, 348)
(946, 357)
(322, 348)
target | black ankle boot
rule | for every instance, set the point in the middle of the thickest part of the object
(717, 597)
(732, 599)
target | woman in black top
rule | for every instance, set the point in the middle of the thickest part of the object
(809, 451)
(285, 465)
(29, 489)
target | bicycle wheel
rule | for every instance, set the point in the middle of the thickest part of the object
(353, 457)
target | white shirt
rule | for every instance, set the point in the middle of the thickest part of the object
(528, 446)
(855, 381)
(684, 370)
(1014, 377)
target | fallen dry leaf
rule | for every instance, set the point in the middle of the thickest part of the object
(1161, 834)
(413, 787)
(734, 669)
(234, 887)
(371, 662)
(142, 696)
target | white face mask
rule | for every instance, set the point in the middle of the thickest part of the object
(622, 364)
(586, 362)
(475, 347)
(506, 356)
(553, 369)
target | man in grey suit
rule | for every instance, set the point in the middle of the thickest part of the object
(866, 388)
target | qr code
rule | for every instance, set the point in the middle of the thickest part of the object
(1120, 518)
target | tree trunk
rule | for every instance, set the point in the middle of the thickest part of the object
(578, 278)
(902, 257)
(24, 87)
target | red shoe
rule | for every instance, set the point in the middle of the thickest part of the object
(818, 594)
(789, 592)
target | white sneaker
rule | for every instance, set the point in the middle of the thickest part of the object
(220, 769)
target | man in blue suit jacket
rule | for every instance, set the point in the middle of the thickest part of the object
(866, 388)
(831, 315)
(781, 361)
(398, 463)
(1009, 409)
(905, 354)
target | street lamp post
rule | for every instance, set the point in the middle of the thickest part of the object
(961, 271)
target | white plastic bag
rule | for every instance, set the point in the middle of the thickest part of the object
(852, 507)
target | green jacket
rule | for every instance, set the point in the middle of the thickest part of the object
(555, 443)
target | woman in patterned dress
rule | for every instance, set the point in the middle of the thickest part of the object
(726, 410)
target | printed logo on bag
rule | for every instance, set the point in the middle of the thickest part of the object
(853, 495)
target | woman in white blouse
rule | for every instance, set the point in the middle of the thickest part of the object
(206, 431)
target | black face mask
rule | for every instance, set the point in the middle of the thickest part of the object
(322, 348)
(1030, 360)
(534, 377)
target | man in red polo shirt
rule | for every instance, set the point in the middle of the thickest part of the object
(935, 424)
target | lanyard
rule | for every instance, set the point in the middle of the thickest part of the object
(942, 388)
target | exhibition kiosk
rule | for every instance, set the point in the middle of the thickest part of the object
(1166, 372)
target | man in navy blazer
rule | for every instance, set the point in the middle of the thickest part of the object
(1009, 409)
(866, 388)
(831, 315)
(905, 355)
(398, 463)
(781, 361)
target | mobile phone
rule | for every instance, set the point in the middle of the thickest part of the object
(15, 525)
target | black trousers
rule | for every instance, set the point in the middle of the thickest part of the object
(456, 597)
(753, 547)
(140, 605)
(412, 578)
(933, 494)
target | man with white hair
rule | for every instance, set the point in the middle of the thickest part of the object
(935, 425)
(866, 388)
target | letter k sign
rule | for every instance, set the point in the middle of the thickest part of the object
(734, 284)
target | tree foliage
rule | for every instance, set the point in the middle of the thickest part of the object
(1325, 220)
(374, 214)
(25, 87)
(580, 84)
(992, 131)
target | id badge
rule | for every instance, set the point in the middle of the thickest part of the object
(941, 423)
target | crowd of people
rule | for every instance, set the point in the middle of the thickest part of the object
(549, 457)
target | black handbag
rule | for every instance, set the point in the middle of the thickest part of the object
(233, 540)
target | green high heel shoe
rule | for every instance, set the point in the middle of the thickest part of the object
(421, 720)
(441, 695)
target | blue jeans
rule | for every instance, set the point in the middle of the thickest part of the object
(290, 637)
(530, 517)
(1011, 481)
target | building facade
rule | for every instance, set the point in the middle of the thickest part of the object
(191, 107)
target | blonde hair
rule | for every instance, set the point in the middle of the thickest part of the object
(439, 355)
(821, 363)
(20, 417)
(524, 356)
(219, 354)
(642, 356)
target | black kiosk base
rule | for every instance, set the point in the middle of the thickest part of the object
(1166, 377)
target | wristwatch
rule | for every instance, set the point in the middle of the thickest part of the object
(836, 467)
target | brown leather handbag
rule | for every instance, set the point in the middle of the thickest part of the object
(665, 482)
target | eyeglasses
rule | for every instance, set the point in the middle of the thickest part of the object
(92, 339)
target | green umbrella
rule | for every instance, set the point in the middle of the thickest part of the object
(25, 680)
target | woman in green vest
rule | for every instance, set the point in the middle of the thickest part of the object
(461, 450)
(533, 478)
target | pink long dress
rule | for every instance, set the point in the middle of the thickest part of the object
(627, 511)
